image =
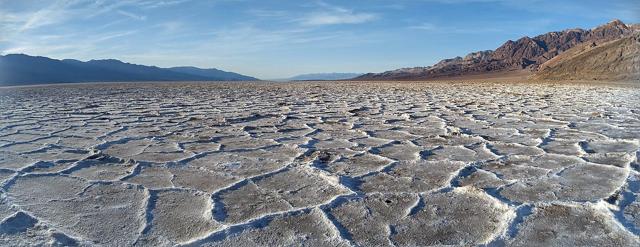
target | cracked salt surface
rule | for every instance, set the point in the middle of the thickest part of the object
(309, 164)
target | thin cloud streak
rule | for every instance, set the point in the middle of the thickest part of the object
(430, 27)
(318, 19)
(132, 15)
(334, 15)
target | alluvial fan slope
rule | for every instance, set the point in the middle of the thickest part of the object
(350, 164)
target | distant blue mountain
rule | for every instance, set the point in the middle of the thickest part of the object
(20, 69)
(324, 76)
(213, 73)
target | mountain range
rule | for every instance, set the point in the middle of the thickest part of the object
(529, 55)
(607, 52)
(20, 69)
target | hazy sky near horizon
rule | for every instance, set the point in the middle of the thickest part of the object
(278, 39)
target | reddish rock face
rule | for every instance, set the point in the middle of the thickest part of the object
(524, 53)
(521, 53)
(610, 31)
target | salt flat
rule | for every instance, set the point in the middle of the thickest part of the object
(320, 164)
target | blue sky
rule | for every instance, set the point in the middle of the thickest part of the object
(276, 39)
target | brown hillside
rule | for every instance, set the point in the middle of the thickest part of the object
(616, 60)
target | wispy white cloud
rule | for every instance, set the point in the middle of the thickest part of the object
(249, 38)
(74, 44)
(61, 11)
(476, 1)
(171, 27)
(423, 26)
(132, 15)
(395, 6)
(110, 36)
(327, 18)
(268, 13)
(49, 15)
(431, 27)
(333, 15)
(321, 14)
(157, 4)
(29, 30)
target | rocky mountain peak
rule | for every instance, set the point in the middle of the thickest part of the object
(478, 56)
(612, 30)
(616, 22)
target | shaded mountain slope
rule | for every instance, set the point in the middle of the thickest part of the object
(617, 60)
(19, 69)
(213, 73)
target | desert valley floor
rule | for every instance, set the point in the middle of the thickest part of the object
(320, 164)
